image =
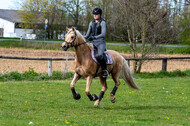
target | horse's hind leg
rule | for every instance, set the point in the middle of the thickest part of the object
(104, 88)
(117, 83)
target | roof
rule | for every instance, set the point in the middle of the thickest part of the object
(14, 16)
(10, 15)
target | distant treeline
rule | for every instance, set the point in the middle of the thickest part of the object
(161, 20)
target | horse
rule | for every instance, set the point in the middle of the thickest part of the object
(86, 67)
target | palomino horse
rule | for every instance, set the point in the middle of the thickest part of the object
(87, 68)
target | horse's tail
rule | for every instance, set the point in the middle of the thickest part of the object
(127, 76)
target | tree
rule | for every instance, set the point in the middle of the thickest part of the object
(184, 23)
(34, 13)
(74, 9)
(107, 8)
(143, 21)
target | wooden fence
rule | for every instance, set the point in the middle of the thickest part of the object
(164, 60)
(48, 59)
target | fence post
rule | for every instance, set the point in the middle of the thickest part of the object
(128, 63)
(164, 64)
(49, 67)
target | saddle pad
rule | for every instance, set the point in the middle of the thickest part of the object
(109, 60)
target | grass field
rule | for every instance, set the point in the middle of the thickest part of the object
(163, 101)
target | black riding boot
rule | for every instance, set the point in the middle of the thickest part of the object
(104, 68)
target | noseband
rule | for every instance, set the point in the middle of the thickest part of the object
(71, 44)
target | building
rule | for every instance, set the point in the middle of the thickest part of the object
(9, 25)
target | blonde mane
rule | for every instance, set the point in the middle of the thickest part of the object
(84, 40)
(79, 34)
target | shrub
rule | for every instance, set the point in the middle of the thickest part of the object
(43, 77)
(11, 76)
(177, 73)
(161, 74)
(15, 76)
(57, 75)
(187, 73)
(30, 73)
(68, 75)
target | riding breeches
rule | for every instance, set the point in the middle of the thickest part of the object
(100, 48)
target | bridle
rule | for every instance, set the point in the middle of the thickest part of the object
(71, 44)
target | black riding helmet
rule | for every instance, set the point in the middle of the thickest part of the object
(97, 10)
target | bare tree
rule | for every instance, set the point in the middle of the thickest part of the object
(74, 8)
(141, 21)
(105, 5)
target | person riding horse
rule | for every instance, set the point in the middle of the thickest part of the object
(96, 34)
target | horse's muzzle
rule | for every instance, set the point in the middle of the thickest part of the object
(65, 48)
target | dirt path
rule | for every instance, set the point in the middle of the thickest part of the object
(7, 65)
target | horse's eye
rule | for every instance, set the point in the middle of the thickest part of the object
(72, 37)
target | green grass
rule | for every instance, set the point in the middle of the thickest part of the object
(121, 49)
(9, 38)
(162, 50)
(163, 74)
(163, 101)
(30, 45)
(31, 75)
(57, 46)
(174, 50)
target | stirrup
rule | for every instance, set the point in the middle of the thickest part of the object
(105, 74)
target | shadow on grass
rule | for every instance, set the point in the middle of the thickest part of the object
(143, 107)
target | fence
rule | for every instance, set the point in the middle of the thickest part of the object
(164, 60)
(48, 59)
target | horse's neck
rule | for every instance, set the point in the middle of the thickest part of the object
(82, 53)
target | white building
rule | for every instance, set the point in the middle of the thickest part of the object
(9, 25)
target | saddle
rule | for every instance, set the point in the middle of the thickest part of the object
(107, 56)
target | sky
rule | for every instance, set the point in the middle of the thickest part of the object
(9, 4)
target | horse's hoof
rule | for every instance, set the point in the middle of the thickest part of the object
(113, 101)
(96, 104)
(112, 98)
(77, 96)
(95, 97)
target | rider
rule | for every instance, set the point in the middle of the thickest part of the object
(97, 30)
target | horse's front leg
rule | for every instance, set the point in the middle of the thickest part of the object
(88, 85)
(104, 88)
(75, 79)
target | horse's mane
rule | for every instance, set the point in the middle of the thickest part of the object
(79, 34)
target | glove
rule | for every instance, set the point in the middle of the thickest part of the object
(91, 38)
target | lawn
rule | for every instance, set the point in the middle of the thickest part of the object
(161, 101)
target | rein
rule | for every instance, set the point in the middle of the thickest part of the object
(72, 43)
(80, 44)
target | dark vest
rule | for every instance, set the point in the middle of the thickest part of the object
(96, 27)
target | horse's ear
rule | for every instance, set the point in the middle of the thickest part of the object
(67, 29)
(73, 28)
